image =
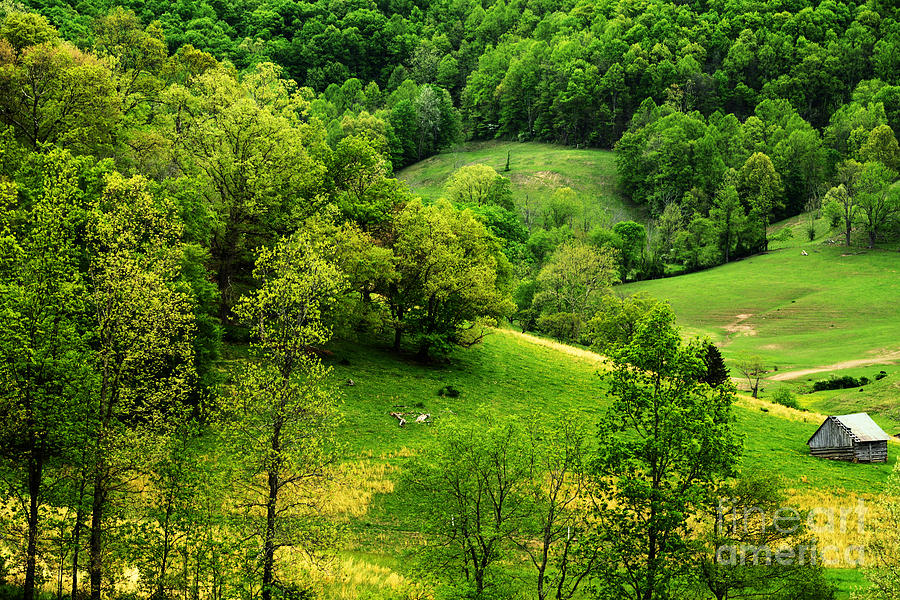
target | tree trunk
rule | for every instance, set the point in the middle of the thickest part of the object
(79, 520)
(847, 234)
(95, 567)
(271, 507)
(269, 545)
(398, 335)
(161, 587)
(35, 472)
(76, 546)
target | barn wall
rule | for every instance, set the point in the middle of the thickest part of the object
(845, 453)
(871, 452)
(830, 436)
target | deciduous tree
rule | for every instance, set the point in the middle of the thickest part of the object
(142, 323)
(451, 276)
(760, 187)
(664, 442)
(283, 409)
(479, 185)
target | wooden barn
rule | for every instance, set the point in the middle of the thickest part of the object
(853, 437)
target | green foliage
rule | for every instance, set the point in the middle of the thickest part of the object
(634, 239)
(716, 372)
(282, 410)
(730, 538)
(479, 185)
(785, 397)
(52, 93)
(117, 277)
(665, 442)
(885, 576)
(878, 199)
(840, 383)
(474, 484)
(451, 278)
(571, 286)
(260, 166)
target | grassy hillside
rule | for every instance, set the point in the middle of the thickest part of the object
(796, 311)
(831, 312)
(518, 375)
(536, 171)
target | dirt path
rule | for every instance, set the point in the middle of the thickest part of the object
(884, 359)
(559, 347)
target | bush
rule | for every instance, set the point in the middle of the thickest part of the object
(785, 397)
(448, 391)
(880, 375)
(562, 326)
(840, 383)
(784, 234)
(834, 214)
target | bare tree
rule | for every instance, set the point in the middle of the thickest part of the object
(753, 369)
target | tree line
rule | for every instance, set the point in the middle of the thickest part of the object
(158, 209)
(163, 208)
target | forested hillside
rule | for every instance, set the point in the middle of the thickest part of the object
(250, 254)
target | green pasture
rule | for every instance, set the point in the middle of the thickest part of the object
(536, 171)
(795, 311)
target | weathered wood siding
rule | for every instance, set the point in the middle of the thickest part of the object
(870, 452)
(831, 436)
(833, 440)
(845, 453)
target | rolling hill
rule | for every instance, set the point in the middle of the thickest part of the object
(519, 375)
(536, 171)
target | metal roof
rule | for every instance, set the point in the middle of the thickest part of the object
(862, 427)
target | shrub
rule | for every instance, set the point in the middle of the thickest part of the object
(784, 234)
(785, 397)
(562, 326)
(834, 214)
(448, 391)
(840, 383)
(880, 375)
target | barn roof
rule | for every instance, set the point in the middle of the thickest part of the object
(863, 427)
(860, 426)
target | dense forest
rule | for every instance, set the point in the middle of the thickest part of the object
(197, 197)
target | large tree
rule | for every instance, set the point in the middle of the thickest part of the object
(760, 187)
(474, 484)
(729, 220)
(665, 441)
(450, 276)
(573, 282)
(52, 92)
(261, 166)
(566, 554)
(141, 318)
(283, 408)
(479, 184)
(44, 351)
(878, 200)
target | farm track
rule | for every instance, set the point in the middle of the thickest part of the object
(883, 359)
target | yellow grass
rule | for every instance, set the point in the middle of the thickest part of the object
(353, 485)
(355, 578)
